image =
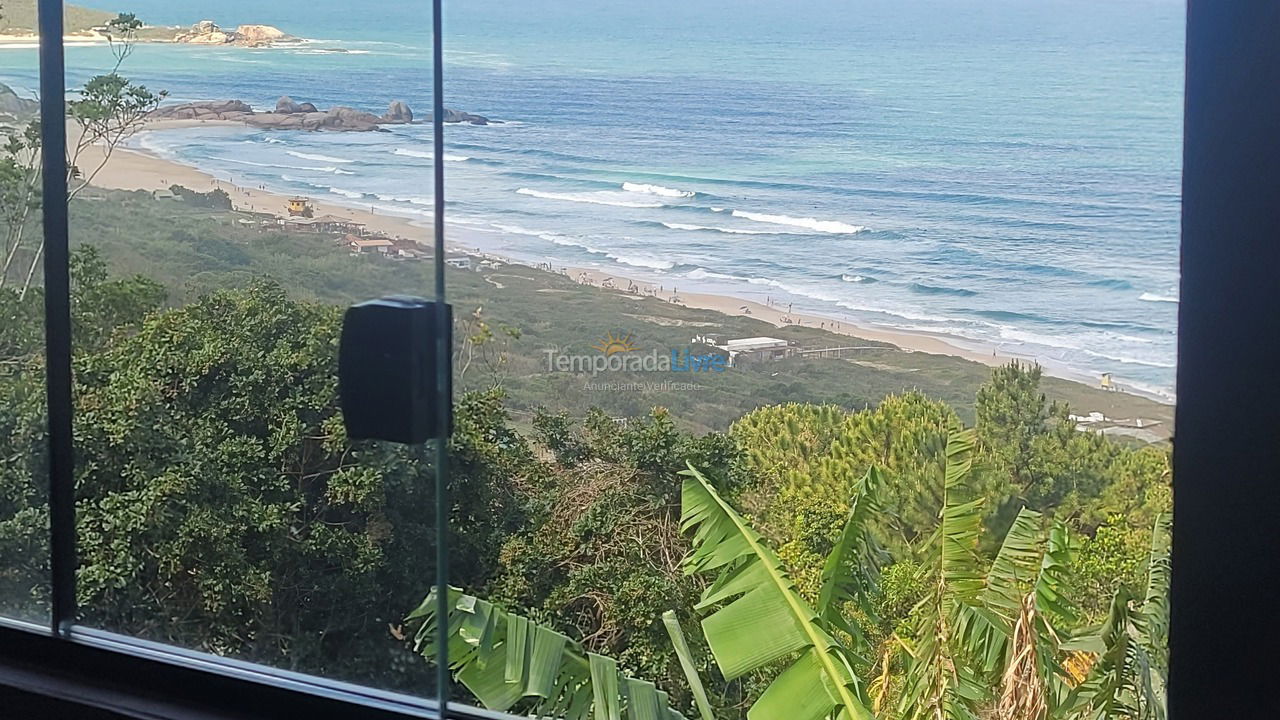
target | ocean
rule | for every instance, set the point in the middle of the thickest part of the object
(1003, 172)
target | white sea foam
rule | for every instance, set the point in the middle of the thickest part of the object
(657, 190)
(731, 231)
(318, 158)
(413, 200)
(346, 193)
(642, 261)
(811, 293)
(703, 273)
(518, 230)
(827, 226)
(425, 155)
(592, 198)
(329, 169)
(852, 278)
(1152, 297)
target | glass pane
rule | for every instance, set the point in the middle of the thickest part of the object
(24, 518)
(225, 211)
(816, 251)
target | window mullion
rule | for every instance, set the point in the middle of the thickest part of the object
(57, 305)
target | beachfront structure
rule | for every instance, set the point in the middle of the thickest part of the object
(462, 262)
(756, 349)
(361, 245)
(405, 248)
(300, 207)
(324, 224)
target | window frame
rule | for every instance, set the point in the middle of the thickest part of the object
(100, 669)
(1224, 516)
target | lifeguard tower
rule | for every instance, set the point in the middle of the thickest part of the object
(300, 207)
(1107, 383)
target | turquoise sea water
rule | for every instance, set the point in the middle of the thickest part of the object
(1005, 172)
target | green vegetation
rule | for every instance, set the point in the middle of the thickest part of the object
(107, 110)
(194, 251)
(222, 508)
(845, 547)
(19, 17)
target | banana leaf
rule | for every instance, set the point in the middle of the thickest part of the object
(513, 664)
(755, 617)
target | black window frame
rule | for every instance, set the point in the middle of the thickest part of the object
(1226, 451)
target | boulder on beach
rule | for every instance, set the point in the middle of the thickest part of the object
(259, 35)
(207, 32)
(207, 110)
(286, 106)
(458, 116)
(398, 112)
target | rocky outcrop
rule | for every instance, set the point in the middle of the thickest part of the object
(457, 116)
(211, 110)
(292, 115)
(259, 35)
(398, 113)
(18, 108)
(286, 106)
(207, 32)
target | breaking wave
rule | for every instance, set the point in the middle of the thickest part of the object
(826, 226)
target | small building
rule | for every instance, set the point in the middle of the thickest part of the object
(406, 248)
(164, 195)
(359, 245)
(298, 224)
(324, 224)
(756, 349)
(462, 262)
(336, 224)
(300, 207)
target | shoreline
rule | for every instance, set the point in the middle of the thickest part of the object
(138, 169)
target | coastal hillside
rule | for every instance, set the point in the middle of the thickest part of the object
(18, 20)
(19, 17)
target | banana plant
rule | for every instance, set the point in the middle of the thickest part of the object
(754, 617)
(508, 662)
(952, 626)
(1033, 683)
(986, 636)
(987, 641)
(852, 568)
(1128, 679)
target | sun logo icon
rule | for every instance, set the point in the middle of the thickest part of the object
(611, 344)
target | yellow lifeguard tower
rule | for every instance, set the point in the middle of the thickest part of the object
(300, 207)
(1107, 383)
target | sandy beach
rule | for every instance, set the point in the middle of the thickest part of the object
(130, 169)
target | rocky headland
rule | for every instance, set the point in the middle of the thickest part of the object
(292, 115)
(207, 32)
